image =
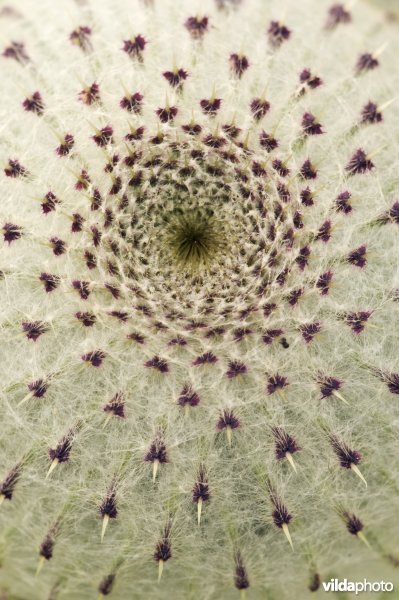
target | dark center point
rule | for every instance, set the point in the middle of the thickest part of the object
(194, 240)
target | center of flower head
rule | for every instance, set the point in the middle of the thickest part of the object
(195, 239)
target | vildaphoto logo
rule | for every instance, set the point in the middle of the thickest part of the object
(337, 585)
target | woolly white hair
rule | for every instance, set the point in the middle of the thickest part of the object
(155, 316)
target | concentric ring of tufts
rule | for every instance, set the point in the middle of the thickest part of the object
(245, 232)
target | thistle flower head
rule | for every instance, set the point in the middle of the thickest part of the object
(199, 235)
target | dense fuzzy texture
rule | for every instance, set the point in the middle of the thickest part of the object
(199, 298)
